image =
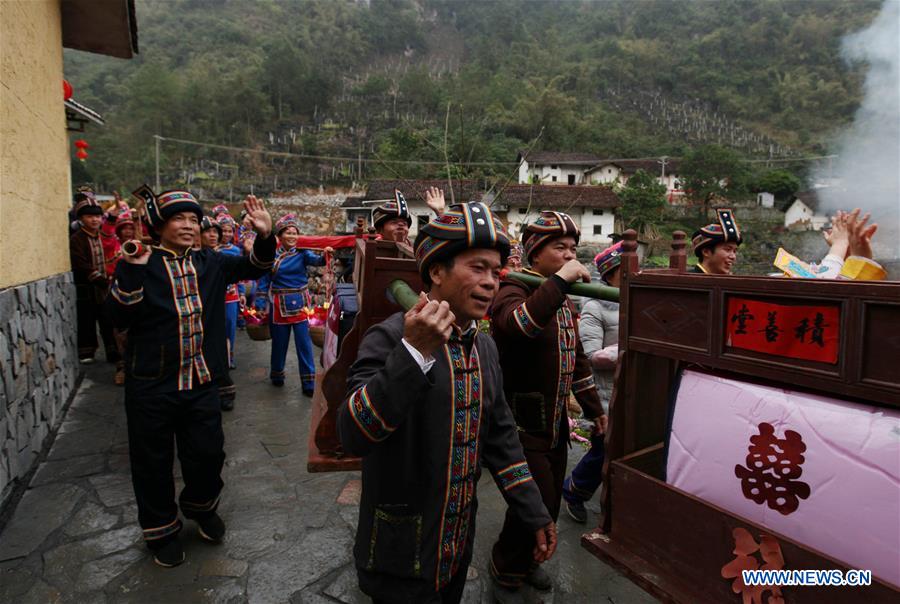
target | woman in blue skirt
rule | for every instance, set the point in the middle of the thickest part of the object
(284, 292)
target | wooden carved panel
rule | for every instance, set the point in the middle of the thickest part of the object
(670, 317)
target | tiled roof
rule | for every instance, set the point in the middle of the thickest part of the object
(414, 190)
(559, 197)
(544, 158)
(630, 166)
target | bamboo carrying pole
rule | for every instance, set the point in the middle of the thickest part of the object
(400, 292)
(586, 290)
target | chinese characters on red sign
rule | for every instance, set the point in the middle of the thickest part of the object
(800, 332)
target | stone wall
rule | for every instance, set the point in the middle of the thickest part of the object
(38, 369)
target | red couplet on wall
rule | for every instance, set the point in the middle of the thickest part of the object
(799, 332)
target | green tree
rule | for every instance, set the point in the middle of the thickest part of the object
(643, 200)
(711, 171)
(781, 183)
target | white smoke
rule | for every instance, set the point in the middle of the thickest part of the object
(867, 169)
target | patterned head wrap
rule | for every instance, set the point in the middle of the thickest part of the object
(724, 231)
(608, 259)
(286, 221)
(165, 205)
(549, 225)
(208, 223)
(86, 203)
(392, 209)
(125, 217)
(225, 220)
(88, 206)
(463, 226)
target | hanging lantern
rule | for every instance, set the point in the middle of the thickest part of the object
(81, 154)
(67, 90)
(82, 144)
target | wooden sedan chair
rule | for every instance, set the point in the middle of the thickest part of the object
(377, 263)
(677, 545)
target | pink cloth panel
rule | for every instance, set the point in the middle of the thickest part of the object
(850, 466)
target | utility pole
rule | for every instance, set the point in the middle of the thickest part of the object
(158, 138)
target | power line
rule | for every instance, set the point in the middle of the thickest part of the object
(413, 162)
(360, 159)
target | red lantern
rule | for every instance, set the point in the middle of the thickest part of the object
(82, 144)
(81, 154)
(67, 90)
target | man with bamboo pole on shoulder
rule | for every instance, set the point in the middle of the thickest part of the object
(425, 410)
(543, 362)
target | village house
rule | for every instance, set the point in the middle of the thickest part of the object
(554, 167)
(592, 207)
(803, 212)
(619, 171)
(558, 168)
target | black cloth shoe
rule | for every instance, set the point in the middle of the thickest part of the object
(227, 404)
(212, 529)
(539, 579)
(577, 512)
(169, 555)
(279, 382)
(308, 391)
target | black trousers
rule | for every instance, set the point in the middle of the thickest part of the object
(192, 419)
(512, 556)
(451, 593)
(89, 312)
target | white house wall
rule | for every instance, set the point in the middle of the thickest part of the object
(605, 222)
(800, 212)
(546, 174)
(606, 175)
(583, 217)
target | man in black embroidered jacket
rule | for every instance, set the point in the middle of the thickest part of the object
(91, 284)
(543, 363)
(172, 300)
(425, 409)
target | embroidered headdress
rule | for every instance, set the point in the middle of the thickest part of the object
(165, 205)
(86, 203)
(462, 226)
(391, 210)
(608, 259)
(208, 223)
(549, 225)
(724, 231)
(125, 218)
(286, 221)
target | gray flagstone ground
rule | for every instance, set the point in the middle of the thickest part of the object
(74, 537)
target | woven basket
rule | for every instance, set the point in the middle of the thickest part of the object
(259, 332)
(317, 335)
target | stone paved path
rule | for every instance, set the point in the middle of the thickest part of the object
(74, 535)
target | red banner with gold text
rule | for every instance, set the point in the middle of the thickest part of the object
(804, 332)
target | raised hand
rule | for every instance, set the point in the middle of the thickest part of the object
(861, 235)
(259, 217)
(838, 237)
(434, 199)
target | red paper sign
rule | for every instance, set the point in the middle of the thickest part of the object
(799, 332)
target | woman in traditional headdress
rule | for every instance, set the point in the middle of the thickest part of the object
(232, 293)
(284, 292)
